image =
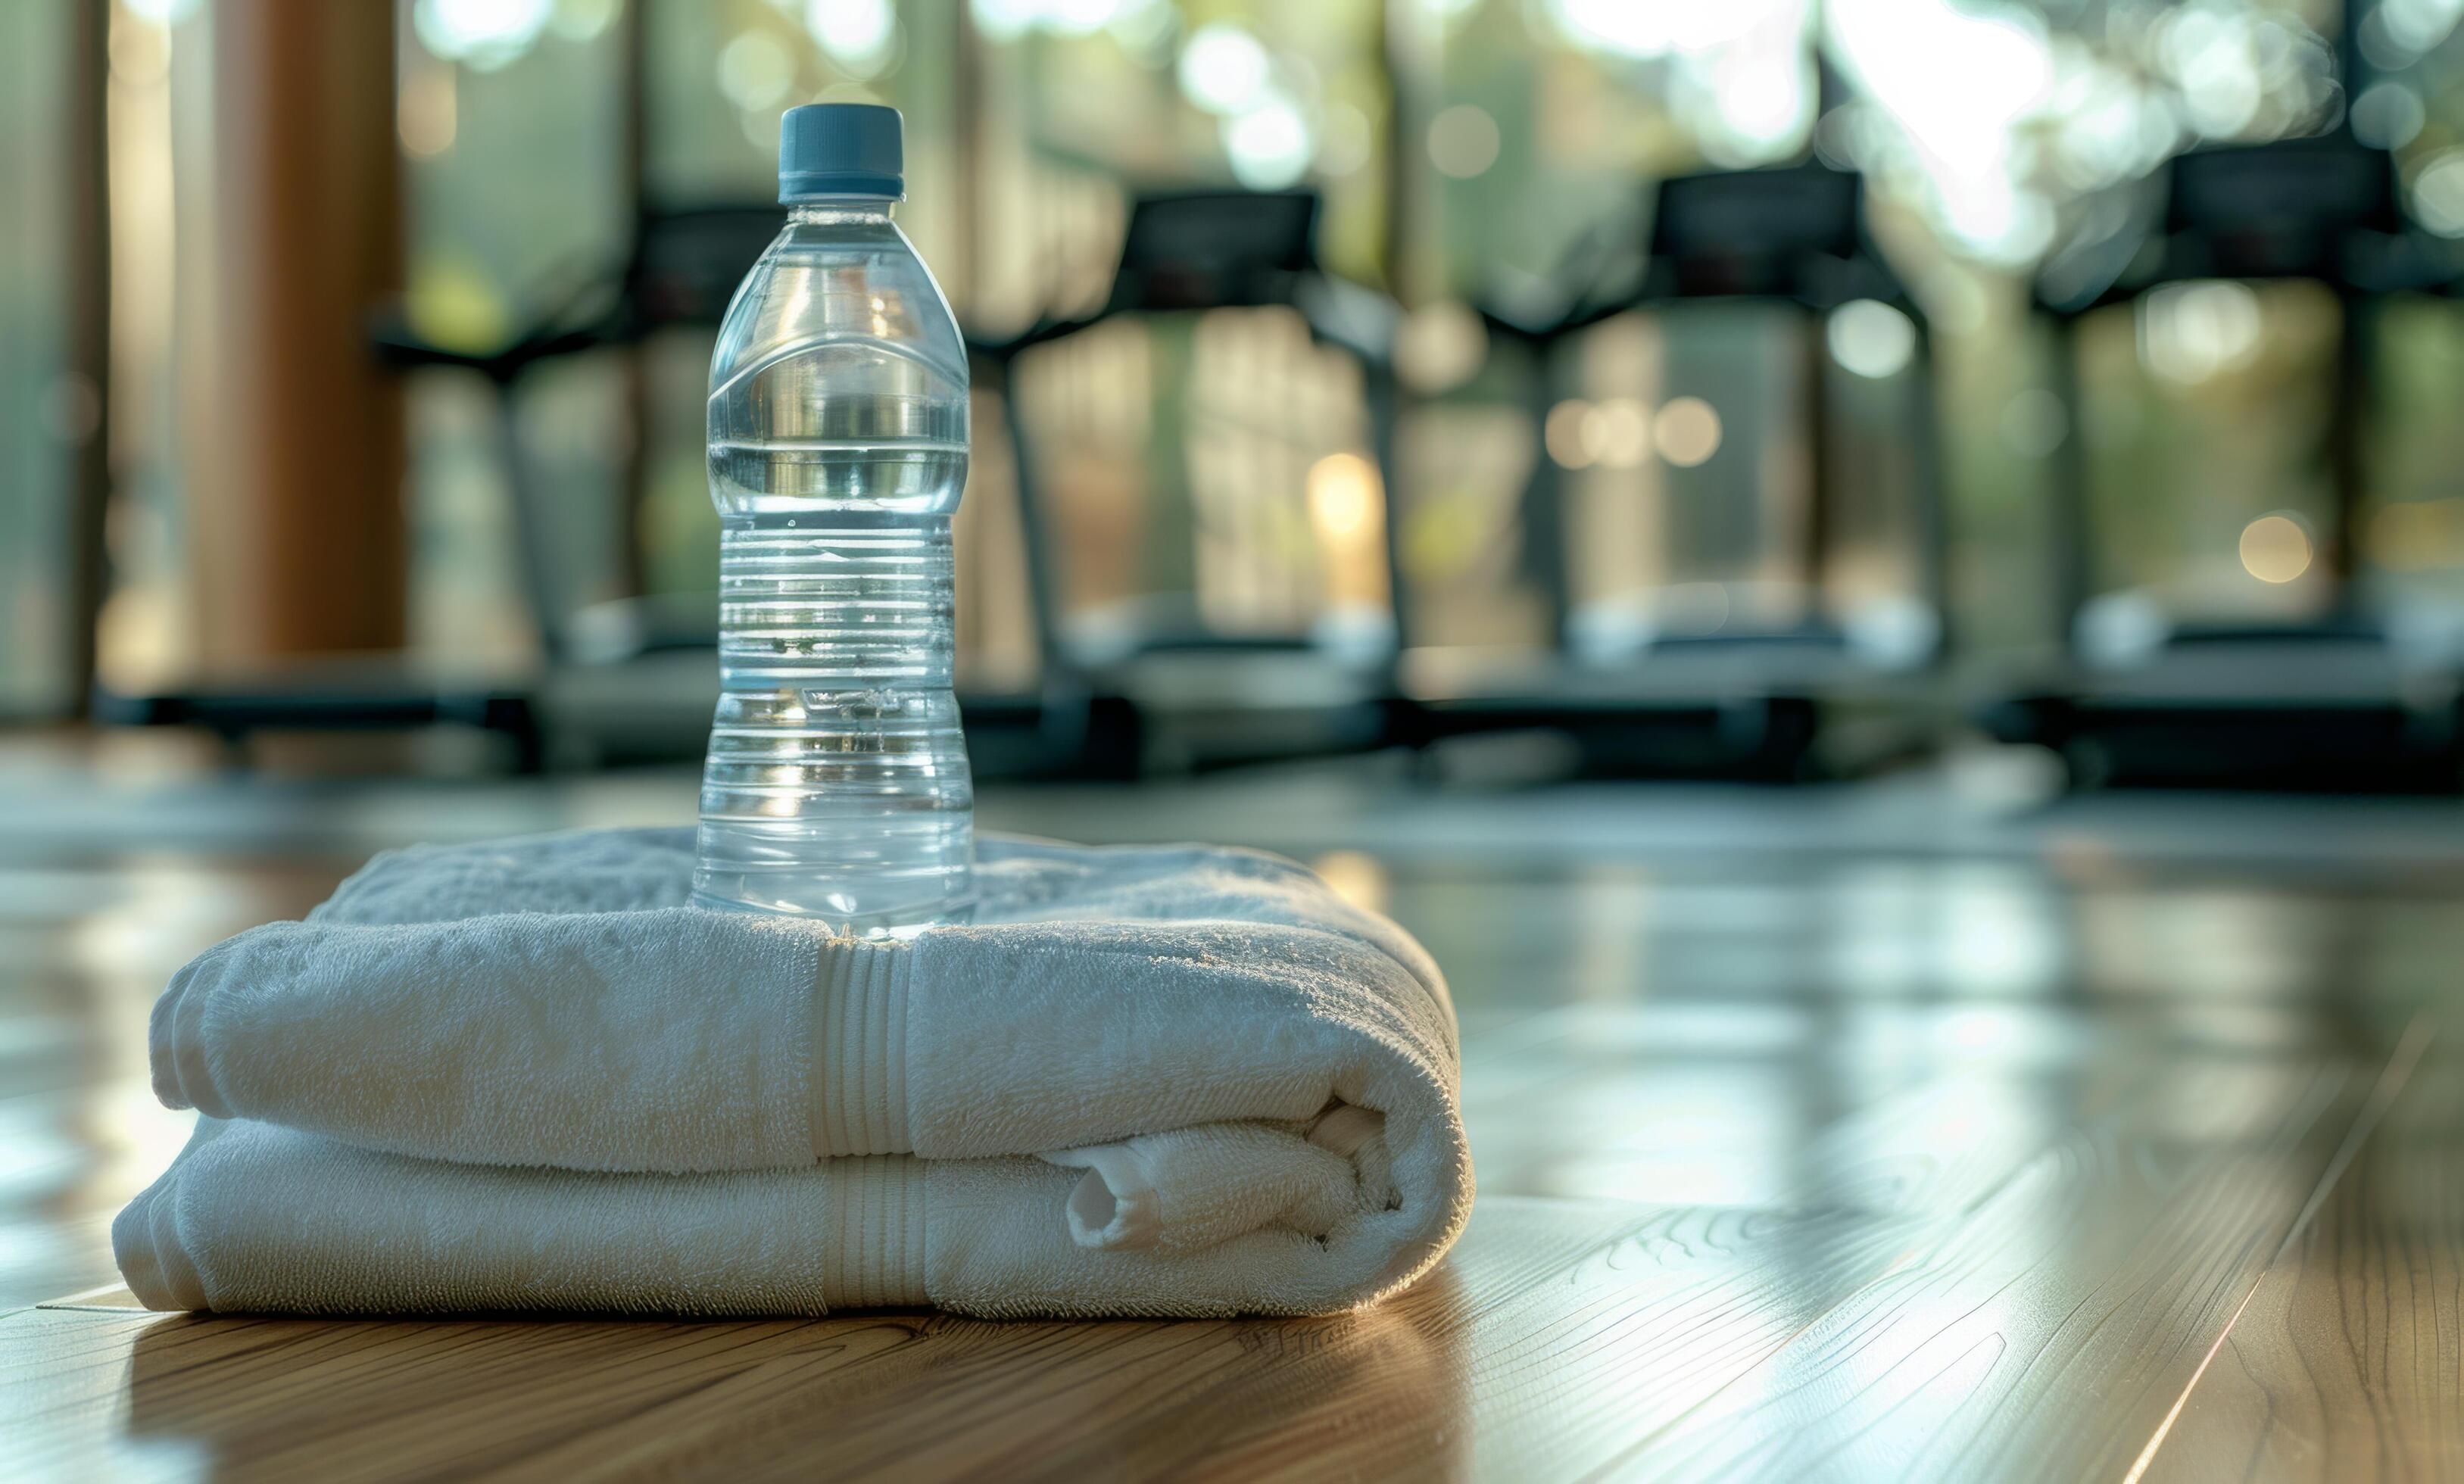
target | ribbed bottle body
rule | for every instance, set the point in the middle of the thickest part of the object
(836, 785)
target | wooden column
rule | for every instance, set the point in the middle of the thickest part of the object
(86, 143)
(634, 152)
(298, 510)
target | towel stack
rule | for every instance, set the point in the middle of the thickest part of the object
(528, 1076)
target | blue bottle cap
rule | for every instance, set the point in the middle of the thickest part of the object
(841, 150)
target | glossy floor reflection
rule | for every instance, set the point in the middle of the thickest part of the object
(1861, 1138)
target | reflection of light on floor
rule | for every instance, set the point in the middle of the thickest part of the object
(27, 1248)
(1946, 1349)
(1912, 1396)
(1651, 1101)
(163, 914)
(2000, 935)
(2232, 943)
(1982, 930)
(35, 896)
(1874, 919)
(1614, 921)
(1694, 909)
(1659, 1029)
(1718, 1135)
(2217, 1102)
(1978, 1116)
(34, 1160)
(2238, 1027)
(1981, 1030)
(1937, 1039)
(138, 1138)
(116, 1135)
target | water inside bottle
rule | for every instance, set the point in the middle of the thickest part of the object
(836, 785)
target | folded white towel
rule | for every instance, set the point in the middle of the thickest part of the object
(1256, 1079)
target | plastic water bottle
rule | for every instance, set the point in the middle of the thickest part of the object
(836, 786)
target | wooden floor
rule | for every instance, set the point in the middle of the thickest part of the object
(1819, 1136)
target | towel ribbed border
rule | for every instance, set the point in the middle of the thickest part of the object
(877, 1257)
(860, 1050)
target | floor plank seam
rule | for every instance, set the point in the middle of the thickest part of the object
(2391, 1078)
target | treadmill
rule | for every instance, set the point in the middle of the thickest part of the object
(1640, 690)
(2357, 694)
(1164, 688)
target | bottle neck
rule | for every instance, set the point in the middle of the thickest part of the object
(841, 212)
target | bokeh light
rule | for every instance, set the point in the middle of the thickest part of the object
(1737, 75)
(2276, 548)
(1269, 145)
(1223, 69)
(1617, 432)
(1961, 85)
(484, 34)
(1463, 141)
(2439, 194)
(1687, 432)
(755, 71)
(2033, 423)
(2190, 331)
(2388, 114)
(860, 36)
(2399, 31)
(1344, 140)
(1137, 23)
(1440, 346)
(1343, 494)
(1871, 338)
(1562, 433)
(428, 110)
